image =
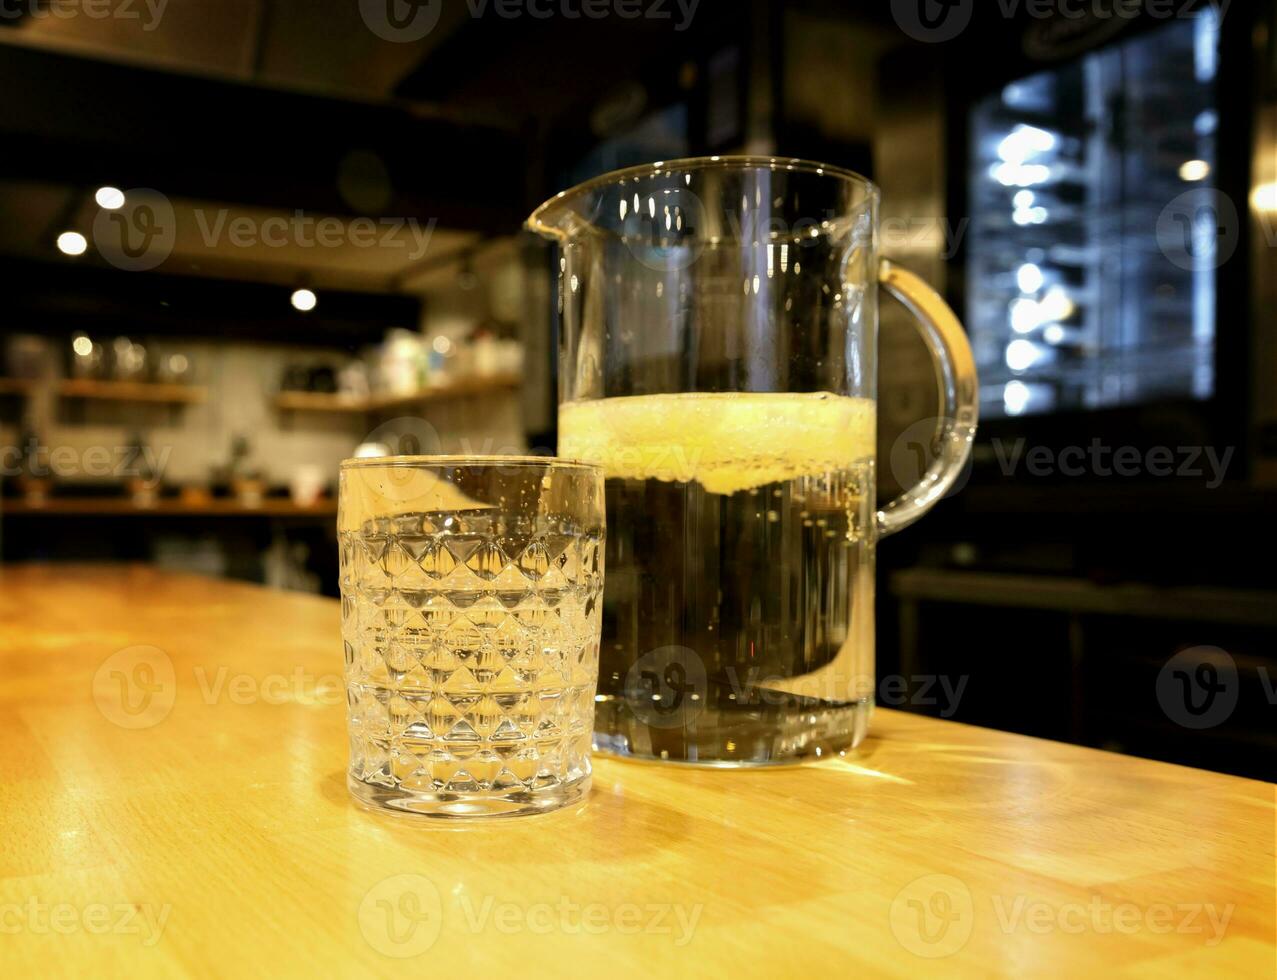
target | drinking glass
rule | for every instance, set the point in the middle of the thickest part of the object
(718, 358)
(470, 618)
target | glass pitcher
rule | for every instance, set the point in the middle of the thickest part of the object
(718, 358)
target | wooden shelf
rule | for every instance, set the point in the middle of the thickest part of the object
(310, 401)
(122, 506)
(314, 401)
(132, 391)
(16, 386)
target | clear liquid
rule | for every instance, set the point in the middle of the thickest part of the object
(471, 655)
(738, 612)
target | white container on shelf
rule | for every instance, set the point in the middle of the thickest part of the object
(402, 360)
(307, 485)
(487, 357)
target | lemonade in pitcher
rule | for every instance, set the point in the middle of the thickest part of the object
(738, 619)
(718, 339)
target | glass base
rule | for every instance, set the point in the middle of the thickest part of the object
(738, 739)
(465, 806)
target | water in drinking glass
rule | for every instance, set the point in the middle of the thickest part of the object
(471, 634)
(738, 617)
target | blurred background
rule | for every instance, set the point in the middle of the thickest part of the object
(242, 238)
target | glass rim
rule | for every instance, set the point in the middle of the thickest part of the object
(537, 219)
(477, 461)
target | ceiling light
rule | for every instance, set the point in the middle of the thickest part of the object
(1264, 197)
(110, 198)
(304, 300)
(72, 243)
(1194, 170)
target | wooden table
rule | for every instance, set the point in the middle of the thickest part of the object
(202, 825)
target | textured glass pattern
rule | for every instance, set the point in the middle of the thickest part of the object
(471, 644)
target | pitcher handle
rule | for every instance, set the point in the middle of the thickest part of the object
(959, 395)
